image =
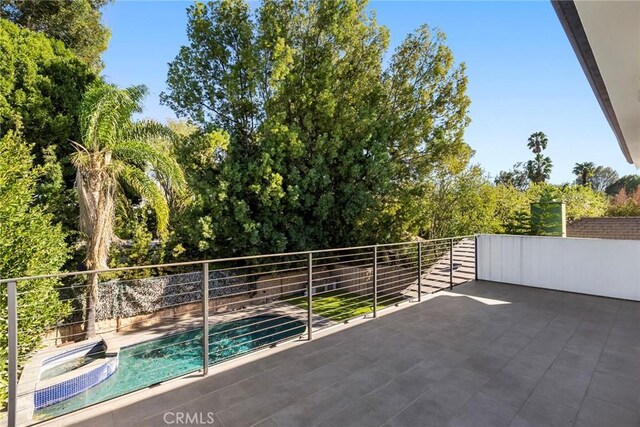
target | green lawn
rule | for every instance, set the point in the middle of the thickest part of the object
(339, 305)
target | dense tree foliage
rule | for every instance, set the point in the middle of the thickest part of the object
(625, 204)
(200, 155)
(628, 182)
(580, 201)
(517, 177)
(602, 178)
(460, 204)
(41, 87)
(511, 210)
(515, 213)
(323, 145)
(30, 244)
(598, 177)
(77, 23)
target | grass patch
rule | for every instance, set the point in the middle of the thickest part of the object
(340, 306)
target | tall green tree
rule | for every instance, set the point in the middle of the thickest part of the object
(200, 154)
(116, 153)
(537, 142)
(41, 87)
(426, 113)
(460, 203)
(30, 244)
(598, 177)
(628, 182)
(603, 177)
(538, 169)
(77, 23)
(320, 134)
(517, 177)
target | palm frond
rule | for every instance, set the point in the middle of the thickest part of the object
(147, 189)
(150, 130)
(81, 160)
(105, 113)
(144, 154)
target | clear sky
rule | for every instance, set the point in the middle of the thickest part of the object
(523, 74)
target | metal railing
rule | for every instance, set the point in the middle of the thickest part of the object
(164, 321)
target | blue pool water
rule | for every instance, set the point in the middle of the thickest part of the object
(158, 360)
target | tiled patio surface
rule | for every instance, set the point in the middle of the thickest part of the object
(484, 354)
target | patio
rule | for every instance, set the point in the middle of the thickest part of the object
(481, 354)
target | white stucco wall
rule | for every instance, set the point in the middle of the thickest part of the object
(589, 266)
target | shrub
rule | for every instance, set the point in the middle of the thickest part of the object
(30, 244)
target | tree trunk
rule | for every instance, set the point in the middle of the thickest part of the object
(96, 199)
(91, 300)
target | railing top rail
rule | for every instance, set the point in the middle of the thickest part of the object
(448, 238)
(216, 260)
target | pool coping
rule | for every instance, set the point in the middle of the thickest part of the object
(75, 382)
(65, 355)
(27, 385)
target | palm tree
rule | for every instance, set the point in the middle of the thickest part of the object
(584, 172)
(538, 169)
(537, 142)
(116, 151)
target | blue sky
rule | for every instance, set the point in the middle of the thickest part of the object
(523, 74)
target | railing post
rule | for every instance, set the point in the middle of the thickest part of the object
(375, 281)
(205, 318)
(451, 263)
(12, 311)
(310, 297)
(475, 255)
(419, 271)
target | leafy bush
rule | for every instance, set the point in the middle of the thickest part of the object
(29, 245)
(625, 205)
(41, 87)
(628, 183)
(580, 201)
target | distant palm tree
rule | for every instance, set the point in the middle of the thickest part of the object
(116, 151)
(584, 171)
(537, 142)
(538, 169)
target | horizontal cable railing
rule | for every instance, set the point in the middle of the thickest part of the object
(110, 332)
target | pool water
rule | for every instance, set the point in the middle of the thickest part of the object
(161, 359)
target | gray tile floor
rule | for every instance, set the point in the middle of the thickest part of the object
(485, 354)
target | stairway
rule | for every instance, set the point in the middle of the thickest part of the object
(437, 276)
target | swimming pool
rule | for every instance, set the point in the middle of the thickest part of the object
(161, 359)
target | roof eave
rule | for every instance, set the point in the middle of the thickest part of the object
(570, 20)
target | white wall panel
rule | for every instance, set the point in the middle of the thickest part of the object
(602, 267)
